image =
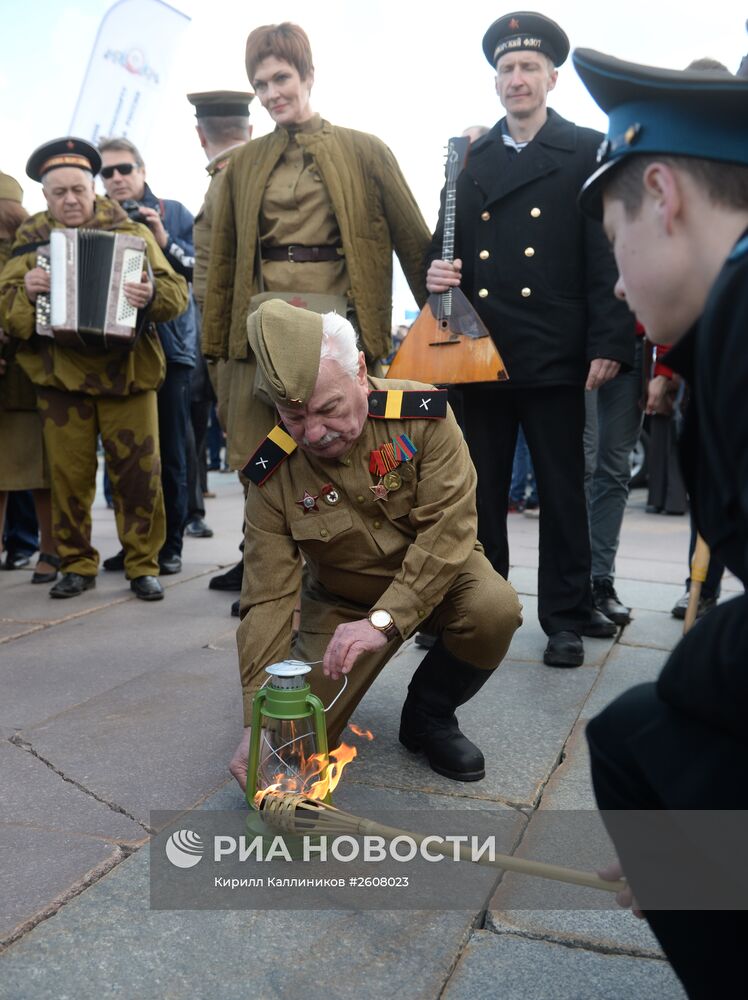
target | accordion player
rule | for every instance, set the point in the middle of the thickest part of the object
(86, 304)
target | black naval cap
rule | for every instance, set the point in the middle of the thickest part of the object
(69, 151)
(221, 103)
(700, 113)
(525, 30)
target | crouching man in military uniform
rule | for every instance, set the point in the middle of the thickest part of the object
(371, 482)
(85, 392)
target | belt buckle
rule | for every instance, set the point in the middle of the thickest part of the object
(290, 254)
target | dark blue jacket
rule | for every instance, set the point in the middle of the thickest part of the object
(179, 336)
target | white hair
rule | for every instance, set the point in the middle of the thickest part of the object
(83, 170)
(339, 343)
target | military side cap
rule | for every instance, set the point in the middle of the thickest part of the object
(525, 30)
(408, 404)
(68, 151)
(221, 103)
(10, 189)
(287, 342)
(700, 113)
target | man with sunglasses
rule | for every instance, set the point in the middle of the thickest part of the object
(124, 178)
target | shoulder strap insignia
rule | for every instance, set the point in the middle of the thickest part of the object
(408, 404)
(269, 457)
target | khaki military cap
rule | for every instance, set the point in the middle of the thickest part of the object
(221, 103)
(287, 342)
(10, 189)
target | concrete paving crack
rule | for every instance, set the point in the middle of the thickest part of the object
(575, 943)
(23, 744)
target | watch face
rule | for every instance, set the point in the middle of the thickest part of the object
(380, 618)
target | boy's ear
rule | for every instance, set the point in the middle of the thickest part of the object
(662, 184)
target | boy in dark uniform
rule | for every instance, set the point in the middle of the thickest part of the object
(672, 188)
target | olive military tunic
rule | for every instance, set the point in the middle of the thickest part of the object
(84, 393)
(415, 554)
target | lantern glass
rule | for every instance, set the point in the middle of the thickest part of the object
(285, 748)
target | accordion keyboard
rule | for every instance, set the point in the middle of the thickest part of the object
(132, 264)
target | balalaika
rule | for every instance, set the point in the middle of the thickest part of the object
(86, 305)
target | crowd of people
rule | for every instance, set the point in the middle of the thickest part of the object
(374, 509)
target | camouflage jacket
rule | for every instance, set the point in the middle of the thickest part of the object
(96, 373)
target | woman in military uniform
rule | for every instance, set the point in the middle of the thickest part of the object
(22, 463)
(325, 205)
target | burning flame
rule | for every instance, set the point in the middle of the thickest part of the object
(319, 774)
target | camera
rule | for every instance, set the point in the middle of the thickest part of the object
(132, 208)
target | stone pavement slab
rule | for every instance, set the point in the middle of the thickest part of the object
(626, 667)
(506, 967)
(654, 629)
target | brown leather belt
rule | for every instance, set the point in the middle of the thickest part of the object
(302, 255)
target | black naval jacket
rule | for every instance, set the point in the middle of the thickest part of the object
(706, 676)
(539, 273)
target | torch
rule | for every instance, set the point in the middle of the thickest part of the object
(299, 814)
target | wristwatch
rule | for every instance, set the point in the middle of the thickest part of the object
(382, 621)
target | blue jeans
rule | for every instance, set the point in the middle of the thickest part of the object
(523, 474)
(611, 429)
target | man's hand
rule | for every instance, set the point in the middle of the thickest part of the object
(138, 293)
(240, 761)
(602, 370)
(625, 898)
(36, 282)
(154, 223)
(660, 395)
(349, 641)
(441, 275)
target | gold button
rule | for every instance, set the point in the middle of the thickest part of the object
(323, 533)
(345, 461)
(535, 213)
(485, 216)
(484, 255)
(526, 293)
(359, 499)
(377, 524)
(421, 613)
(483, 293)
(529, 251)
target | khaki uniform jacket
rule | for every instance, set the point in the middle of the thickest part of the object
(375, 211)
(402, 554)
(16, 391)
(203, 225)
(96, 373)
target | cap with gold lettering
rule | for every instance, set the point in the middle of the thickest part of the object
(69, 151)
(221, 103)
(525, 30)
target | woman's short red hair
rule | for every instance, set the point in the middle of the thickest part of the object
(284, 41)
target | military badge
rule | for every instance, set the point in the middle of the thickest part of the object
(380, 491)
(330, 494)
(308, 501)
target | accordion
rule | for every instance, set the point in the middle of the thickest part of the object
(86, 305)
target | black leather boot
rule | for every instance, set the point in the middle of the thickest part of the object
(428, 724)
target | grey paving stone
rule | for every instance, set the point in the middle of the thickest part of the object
(625, 667)
(32, 795)
(28, 885)
(655, 629)
(520, 720)
(15, 629)
(648, 594)
(107, 944)
(508, 967)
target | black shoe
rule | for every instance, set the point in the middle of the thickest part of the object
(681, 606)
(51, 560)
(147, 588)
(235, 609)
(605, 599)
(599, 626)
(230, 580)
(169, 565)
(425, 640)
(17, 560)
(72, 584)
(115, 564)
(564, 649)
(428, 724)
(197, 528)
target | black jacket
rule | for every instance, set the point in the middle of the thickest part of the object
(545, 290)
(706, 676)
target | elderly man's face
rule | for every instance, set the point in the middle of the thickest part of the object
(335, 415)
(70, 196)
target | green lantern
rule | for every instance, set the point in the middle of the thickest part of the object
(288, 744)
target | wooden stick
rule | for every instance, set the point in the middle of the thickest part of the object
(699, 569)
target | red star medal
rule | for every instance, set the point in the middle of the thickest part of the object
(308, 502)
(380, 491)
(514, 24)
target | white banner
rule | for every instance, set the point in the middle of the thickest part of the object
(127, 70)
